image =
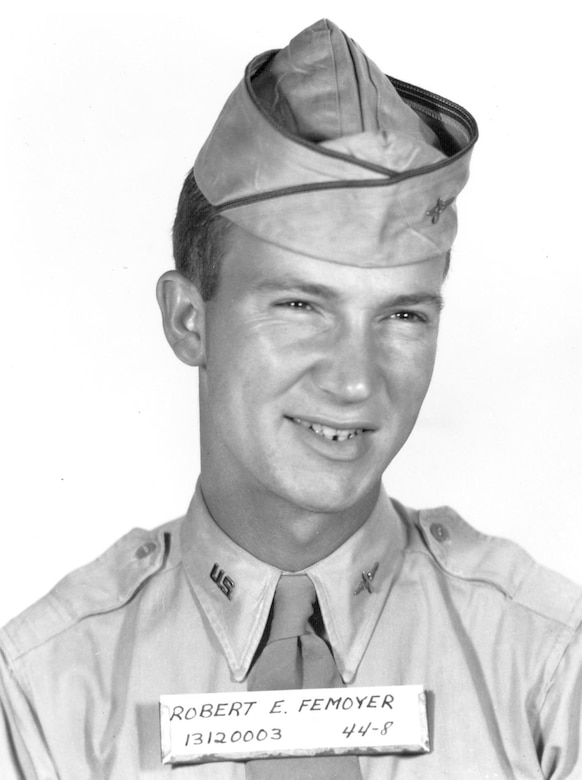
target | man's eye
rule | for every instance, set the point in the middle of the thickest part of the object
(302, 305)
(408, 316)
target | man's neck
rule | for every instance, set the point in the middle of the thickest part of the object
(283, 535)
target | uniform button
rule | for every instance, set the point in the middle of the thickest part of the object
(145, 550)
(439, 532)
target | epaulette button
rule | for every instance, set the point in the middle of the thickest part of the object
(145, 550)
(439, 532)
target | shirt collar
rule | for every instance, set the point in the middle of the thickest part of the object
(235, 589)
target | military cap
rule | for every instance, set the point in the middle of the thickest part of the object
(318, 152)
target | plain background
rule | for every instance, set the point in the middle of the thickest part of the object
(106, 106)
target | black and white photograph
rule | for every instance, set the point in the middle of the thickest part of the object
(291, 422)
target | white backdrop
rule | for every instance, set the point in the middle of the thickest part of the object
(107, 105)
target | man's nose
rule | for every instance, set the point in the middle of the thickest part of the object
(348, 370)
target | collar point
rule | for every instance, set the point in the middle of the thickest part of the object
(239, 674)
(348, 675)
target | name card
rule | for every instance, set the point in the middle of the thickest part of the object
(203, 727)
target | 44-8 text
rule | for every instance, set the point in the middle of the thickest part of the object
(363, 730)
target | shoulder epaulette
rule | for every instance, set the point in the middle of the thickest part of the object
(468, 554)
(103, 585)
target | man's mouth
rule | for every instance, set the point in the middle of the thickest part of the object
(332, 434)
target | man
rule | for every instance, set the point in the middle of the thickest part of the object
(311, 241)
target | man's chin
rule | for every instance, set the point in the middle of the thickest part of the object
(333, 496)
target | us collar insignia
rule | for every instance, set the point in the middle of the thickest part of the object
(223, 581)
(367, 577)
(436, 211)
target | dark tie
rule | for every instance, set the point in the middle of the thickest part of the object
(295, 657)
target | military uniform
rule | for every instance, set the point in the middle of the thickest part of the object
(493, 637)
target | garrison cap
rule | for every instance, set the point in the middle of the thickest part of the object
(318, 152)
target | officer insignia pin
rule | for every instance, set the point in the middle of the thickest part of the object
(367, 577)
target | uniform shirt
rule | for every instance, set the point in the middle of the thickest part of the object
(492, 636)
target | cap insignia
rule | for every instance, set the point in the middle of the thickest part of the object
(436, 211)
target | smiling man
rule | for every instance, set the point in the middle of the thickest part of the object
(311, 241)
(312, 374)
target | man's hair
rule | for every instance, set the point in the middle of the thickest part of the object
(199, 239)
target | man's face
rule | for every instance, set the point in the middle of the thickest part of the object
(314, 372)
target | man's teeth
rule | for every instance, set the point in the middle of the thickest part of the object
(333, 434)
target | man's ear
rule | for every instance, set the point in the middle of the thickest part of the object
(182, 310)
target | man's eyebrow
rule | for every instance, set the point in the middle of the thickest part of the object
(297, 286)
(416, 299)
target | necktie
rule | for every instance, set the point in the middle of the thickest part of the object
(295, 657)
